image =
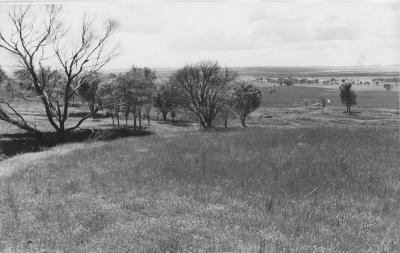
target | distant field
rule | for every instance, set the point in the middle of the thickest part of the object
(348, 72)
(363, 72)
(294, 96)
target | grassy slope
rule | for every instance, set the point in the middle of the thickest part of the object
(323, 189)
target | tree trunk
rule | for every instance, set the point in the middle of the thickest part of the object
(226, 122)
(243, 121)
(164, 115)
(127, 111)
(62, 134)
(209, 123)
(117, 113)
(134, 120)
(126, 117)
(148, 119)
(91, 108)
(140, 118)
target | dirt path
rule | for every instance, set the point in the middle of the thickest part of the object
(168, 130)
(11, 165)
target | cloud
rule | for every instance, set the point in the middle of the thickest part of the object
(396, 5)
(337, 33)
(257, 33)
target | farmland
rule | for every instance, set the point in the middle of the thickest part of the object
(296, 180)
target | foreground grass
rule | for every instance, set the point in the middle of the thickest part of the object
(254, 190)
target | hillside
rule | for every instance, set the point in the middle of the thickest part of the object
(302, 189)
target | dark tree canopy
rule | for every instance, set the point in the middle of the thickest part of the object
(203, 88)
(347, 96)
(91, 93)
(246, 99)
(166, 99)
(139, 84)
(136, 88)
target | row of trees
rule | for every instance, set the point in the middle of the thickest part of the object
(206, 90)
(209, 92)
(130, 93)
(55, 66)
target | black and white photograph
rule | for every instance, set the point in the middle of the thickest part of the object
(173, 126)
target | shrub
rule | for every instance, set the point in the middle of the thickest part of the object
(387, 86)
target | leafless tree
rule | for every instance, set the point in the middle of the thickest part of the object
(40, 40)
(202, 89)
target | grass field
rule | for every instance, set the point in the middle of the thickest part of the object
(302, 190)
(301, 181)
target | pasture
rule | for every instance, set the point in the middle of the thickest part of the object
(295, 96)
(304, 189)
(298, 181)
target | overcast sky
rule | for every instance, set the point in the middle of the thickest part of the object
(240, 33)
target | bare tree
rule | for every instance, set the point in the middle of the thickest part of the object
(9, 114)
(202, 89)
(37, 42)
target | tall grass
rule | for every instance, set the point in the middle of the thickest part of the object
(255, 190)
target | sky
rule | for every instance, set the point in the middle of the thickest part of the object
(244, 33)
